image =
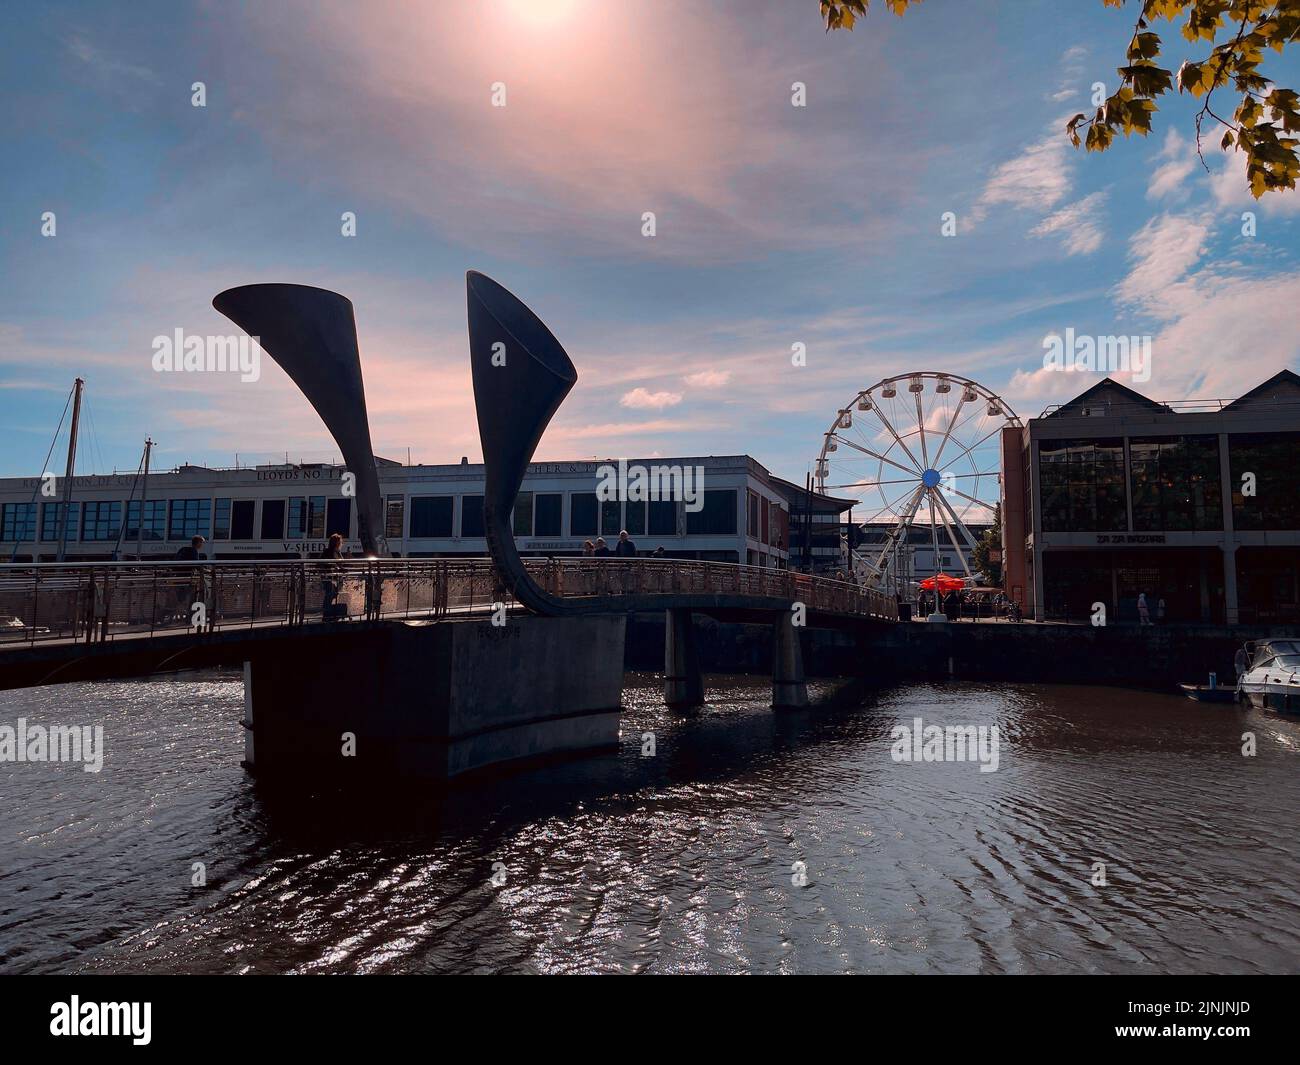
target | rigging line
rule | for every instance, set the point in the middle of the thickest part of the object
(45, 466)
(121, 529)
(98, 454)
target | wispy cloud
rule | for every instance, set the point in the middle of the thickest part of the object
(1077, 226)
(641, 399)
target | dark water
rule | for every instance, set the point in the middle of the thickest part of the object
(677, 863)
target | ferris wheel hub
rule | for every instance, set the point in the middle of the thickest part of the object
(931, 478)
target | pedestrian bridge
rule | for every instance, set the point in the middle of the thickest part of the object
(419, 660)
(82, 621)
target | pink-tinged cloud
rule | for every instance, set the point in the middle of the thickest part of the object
(397, 103)
(708, 378)
(641, 399)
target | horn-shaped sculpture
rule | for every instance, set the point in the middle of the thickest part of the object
(521, 375)
(312, 334)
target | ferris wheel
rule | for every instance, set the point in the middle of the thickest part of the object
(920, 448)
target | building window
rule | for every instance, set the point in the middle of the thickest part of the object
(338, 517)
(395, 517)
(18, 522)
(155, 520)
(101, 521)
(1271, 458)
(431, 516)
(523, 517)
(717, 517)
(1175, 483)
(316, 517)
(663, 517)
(471, 515)
(221, 520)
(582, 514)
(1081, 485)
(634, 517)
(548, 514)
(751, 524)
(241, 519)
(306, 518)
(272, 519)
(52, 521)
(189, 518)
(611, 517)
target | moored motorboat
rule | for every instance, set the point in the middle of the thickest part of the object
(1272, 678)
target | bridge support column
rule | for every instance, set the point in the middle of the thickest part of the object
(432, 701)
(789, 689)
(683, 685)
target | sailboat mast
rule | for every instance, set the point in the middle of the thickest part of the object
(67, 476)
(144, 495)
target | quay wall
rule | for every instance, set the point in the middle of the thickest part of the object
(1156, 657)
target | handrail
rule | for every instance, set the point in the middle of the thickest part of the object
(98, 602)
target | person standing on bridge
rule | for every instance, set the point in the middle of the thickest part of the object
(193, 553)
(626, 547)
(192, 592)
(330, 584)
(602, 548)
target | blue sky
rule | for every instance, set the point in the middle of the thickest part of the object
(775, 224)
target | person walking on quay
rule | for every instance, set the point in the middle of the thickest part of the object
(1160, 610)
(626, 547)
(602, 548)
(952, 606)
(1144, 612)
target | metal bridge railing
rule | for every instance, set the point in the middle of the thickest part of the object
(97, 602)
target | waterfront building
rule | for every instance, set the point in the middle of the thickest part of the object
(1193, 503)
(289, 510)
(817, 526)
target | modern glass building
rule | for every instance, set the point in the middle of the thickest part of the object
(288, 511)
(1195, 503)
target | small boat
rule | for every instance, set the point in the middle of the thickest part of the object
(1209, 693)
(1272, 678)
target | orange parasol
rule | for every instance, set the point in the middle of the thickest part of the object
(943, 581)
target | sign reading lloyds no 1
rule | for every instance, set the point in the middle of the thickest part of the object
(1132, 538)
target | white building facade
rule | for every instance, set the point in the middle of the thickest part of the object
(289, 511)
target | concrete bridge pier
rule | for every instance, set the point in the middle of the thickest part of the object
(789, 688)
(432, 701)
(683, 684)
